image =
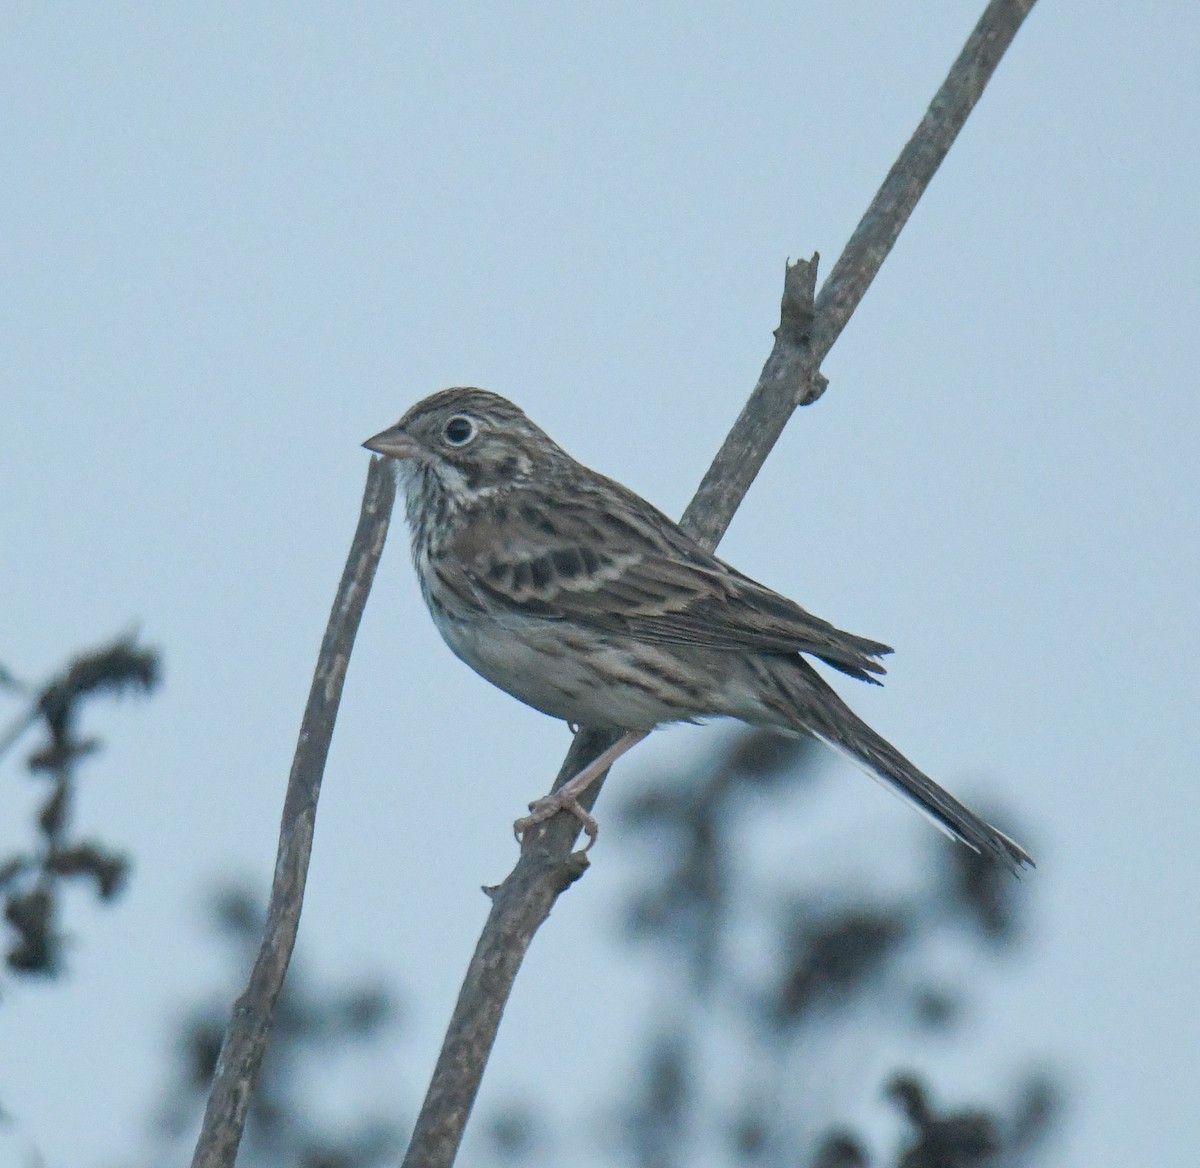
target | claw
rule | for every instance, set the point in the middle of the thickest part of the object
(550, 805)
(566, 798)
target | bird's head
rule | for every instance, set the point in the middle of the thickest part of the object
(471, 441)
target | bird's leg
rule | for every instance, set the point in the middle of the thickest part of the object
(566, 798)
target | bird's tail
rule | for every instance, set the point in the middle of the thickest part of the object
(824, 715)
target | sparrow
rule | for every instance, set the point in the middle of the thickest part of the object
(579, 598)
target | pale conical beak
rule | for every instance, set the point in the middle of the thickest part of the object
(395, 443)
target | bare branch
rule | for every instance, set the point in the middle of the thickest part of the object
(249, 1026)
(789, 378)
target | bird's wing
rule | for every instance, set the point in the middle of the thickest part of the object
(632, 571)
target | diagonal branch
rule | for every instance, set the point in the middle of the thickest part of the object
(250, 1024)
(790, 377)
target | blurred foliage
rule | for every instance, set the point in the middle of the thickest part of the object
(312, 1025)
(32, 879)
(769, 998)
(783, 992)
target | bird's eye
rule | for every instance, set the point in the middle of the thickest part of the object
(459, 431)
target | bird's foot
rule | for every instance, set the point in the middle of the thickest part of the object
(550, 805)
(566, 798)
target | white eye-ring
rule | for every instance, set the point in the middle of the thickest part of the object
(459, 430)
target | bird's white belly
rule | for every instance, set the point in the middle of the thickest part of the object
(582, 678)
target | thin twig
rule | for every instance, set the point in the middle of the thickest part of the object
(789, 378)
(250, 1023)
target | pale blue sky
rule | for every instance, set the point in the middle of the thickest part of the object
(238, 240)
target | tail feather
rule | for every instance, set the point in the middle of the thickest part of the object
(890, 768)
(825, 716)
